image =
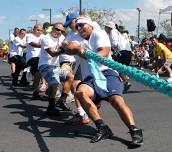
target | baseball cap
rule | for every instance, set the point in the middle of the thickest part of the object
(110, 24)
(85, 19)
(70, 17)
(46, 25)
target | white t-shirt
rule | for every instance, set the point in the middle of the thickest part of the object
(144, 54)
(128, 44)
(71, 36)
(11, 39)
(49, 41)
(119, 41)
(98, 38)
(15, 48)
(114, 38)
(30, 50)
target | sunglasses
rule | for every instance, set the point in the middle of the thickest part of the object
(57, 29)
(80, 25)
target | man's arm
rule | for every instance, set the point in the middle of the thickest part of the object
(54, 51)
(35, 44)
(103, 51)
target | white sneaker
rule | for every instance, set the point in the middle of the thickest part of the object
(169, 80)
(157, 75)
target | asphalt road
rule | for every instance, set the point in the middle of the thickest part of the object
(24, 127)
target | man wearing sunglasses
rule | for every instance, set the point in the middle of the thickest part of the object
(72, 63)
(88, 91)
(49, 67)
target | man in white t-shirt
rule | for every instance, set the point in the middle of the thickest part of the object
(121, 48)
(16, 57)
(32, 57)
(11, 39)
(89, 91)
(73, 64)
(49, 67)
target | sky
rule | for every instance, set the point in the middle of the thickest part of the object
(21, 13)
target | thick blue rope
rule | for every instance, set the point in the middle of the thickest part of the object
(145, 78)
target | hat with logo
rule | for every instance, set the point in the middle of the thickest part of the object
(70, 17)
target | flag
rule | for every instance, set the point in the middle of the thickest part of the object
(166, 10)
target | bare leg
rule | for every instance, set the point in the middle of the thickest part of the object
(84, 94)
(124, 111)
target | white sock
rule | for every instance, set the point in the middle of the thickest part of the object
(81, 111)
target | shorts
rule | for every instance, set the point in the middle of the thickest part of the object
(66, 66)
(33, 64)
(52, 74)
(74, 68)
(18, 60)
(78, 75)
(14, 59)
(168, 63)
(114, 85)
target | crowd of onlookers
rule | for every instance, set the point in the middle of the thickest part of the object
(54, 62)
(155, 53)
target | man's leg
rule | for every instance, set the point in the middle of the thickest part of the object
(84, 94)
(36, 81)
(51, 110)
(13, 64)
(66, 89)
(127, 116)
(80, 118)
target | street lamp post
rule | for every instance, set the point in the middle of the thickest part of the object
(80, 7)
(50, 10)
(138, 34)
(29, 29)
(9, 32)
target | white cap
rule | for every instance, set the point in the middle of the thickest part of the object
(84, 19)
(110, 24)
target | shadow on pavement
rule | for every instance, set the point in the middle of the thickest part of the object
(37, 120)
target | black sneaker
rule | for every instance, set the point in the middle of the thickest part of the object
(102, 133)
(15, 84)
(53, 112)
(35, 96)
(24, 84)
(137, 137)
(127, 86)
(63, 105)
(77, 119)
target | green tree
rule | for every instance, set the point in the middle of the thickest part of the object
(144, 33)
(166, 27)
(98, 15)
(1, 42)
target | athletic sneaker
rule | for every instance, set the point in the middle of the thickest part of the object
(127, 86)
(77, 119)
(169, 80)
(137, 137)
(35, 96)
(52, 112)
(103, 132)
(63, 105)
